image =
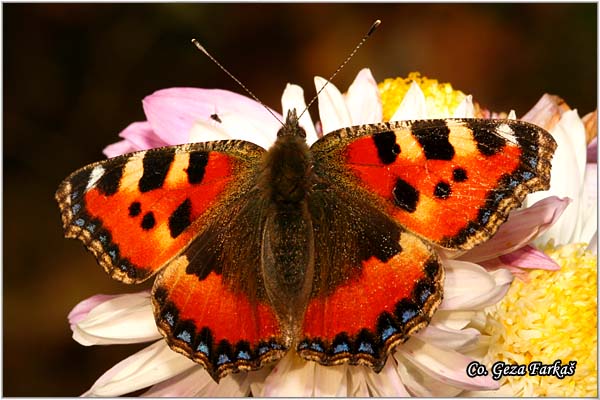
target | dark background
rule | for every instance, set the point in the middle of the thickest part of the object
(74, 76)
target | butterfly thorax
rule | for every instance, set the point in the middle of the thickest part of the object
(287, 253)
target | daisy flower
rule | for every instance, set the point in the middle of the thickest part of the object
(431, 363)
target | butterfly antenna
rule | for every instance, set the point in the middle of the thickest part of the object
(202, 49)
(358, 46)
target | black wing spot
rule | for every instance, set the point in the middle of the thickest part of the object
(156, 166)
(135, 209)
(110, 181)
(148, 222)
(387, 148)
(215, 117)
(484, 133)
(459, 175)
(405, 195)
(180, 219)
(442, 190)
(197, 165)
(433, 135)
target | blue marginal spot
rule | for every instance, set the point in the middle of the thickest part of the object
(170, 318)
(223, 359)
(185, 336)
(387, 332)
(341, 348)
(407, 315)
(123, 267)
(80, 222)
(302, 346)
(425, 295)
(91, 228)
(113, 254)
(243, 355)
(276, 346)
(76, 207)
(316, 347)
(102, 239)
(365, 348)
(74, 195)
(527, 175)
(263, 349)
(202, 348)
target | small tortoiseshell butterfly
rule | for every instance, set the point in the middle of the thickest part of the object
(328, 251)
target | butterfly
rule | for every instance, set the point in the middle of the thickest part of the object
(327, 250)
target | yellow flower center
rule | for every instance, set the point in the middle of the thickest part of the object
(551, 317)
(441, 98)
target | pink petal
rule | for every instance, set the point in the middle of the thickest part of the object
(446, 366)
(81, 310)
(363, 99)
(332, 107)
(142, 136)
(119, 148)
(154, 364)
(522, 227)
(592, 151)
(173, 112)
(529, 257)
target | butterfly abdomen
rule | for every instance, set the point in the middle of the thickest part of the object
(287, 246)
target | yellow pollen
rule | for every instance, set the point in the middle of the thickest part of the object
(550, 317)
(441, 99)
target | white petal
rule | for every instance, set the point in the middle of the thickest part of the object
(332, 107)
(453, 319)
(568, 167)
(446, 366)
(293, 98)
(413, 105)
(465, 109)
(419, 383)
(363, 99)
(357, 382)
(588, 217)
(207, 131)
(469, 286)
(291, 377)
(593, 246)
(154, 364)
(331, 381)
(233, 126)
(449, 338)
(122, 319)
(387, 382)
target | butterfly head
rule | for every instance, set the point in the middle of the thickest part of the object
(292, 126)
